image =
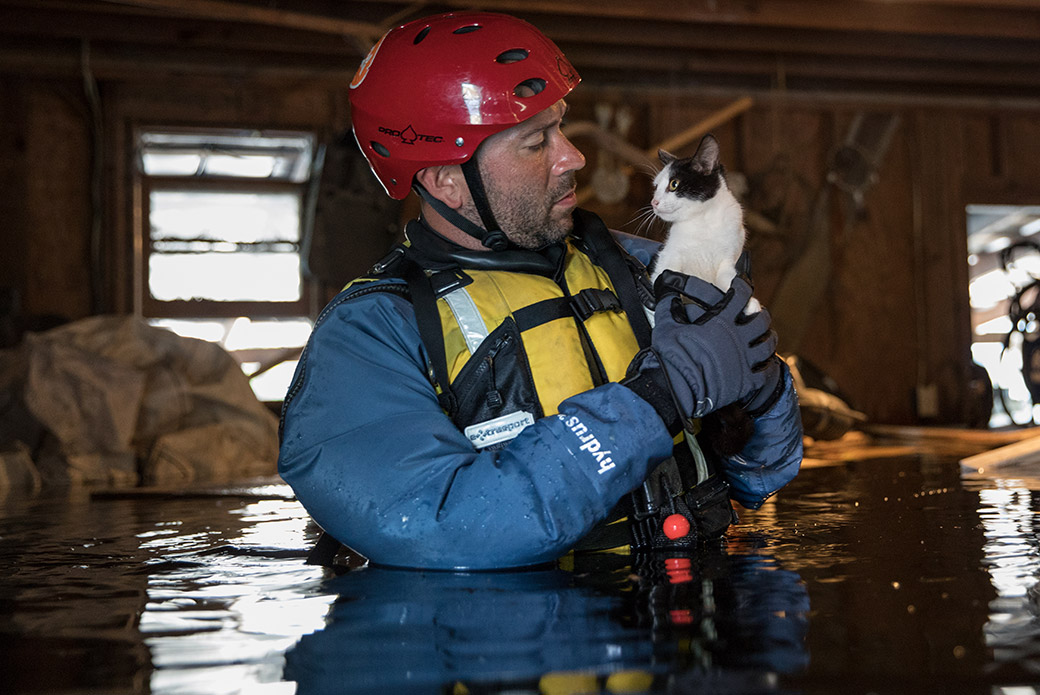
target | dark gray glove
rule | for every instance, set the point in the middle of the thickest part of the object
(705, 352)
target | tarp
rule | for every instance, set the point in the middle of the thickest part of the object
(111, 400)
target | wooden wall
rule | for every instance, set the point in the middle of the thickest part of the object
(893, 325)
(45, 197)
(893, 320)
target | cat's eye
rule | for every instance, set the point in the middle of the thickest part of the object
(673, 184)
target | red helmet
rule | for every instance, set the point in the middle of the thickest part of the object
(431, 90)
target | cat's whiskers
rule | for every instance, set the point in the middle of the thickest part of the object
(650, 170)
(646, 219)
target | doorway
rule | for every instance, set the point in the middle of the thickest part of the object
(1004, 292)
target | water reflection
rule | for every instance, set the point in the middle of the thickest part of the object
(253, 585)
(918, 581)
(608, 624)
(1012, 558)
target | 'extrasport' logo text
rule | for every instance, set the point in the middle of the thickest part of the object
(500, 429)
(589, 442)
(408, 136)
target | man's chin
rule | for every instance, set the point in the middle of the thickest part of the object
(559, 231)
(564, 221)
(557, 227)
(545, 238)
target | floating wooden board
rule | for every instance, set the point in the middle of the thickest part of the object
(1018, 457)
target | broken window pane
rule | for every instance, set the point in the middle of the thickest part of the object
(224, 246)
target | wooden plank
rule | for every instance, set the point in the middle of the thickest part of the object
(1025, 453)
(926, 435)
(872, 17)
(57, 205)
(684, 137)
(704, 38)
(872, 70)
(122, 29)
(239, 12)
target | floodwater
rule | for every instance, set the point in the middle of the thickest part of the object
(882, 576)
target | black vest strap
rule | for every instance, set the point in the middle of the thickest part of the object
(583, 305)
(542, 312)
(609, 255)
(428, 319)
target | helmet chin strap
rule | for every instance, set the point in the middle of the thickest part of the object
(494, 238)
(490, 236)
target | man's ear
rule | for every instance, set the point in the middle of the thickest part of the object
(446, 183)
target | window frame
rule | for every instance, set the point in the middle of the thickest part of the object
(144, 184)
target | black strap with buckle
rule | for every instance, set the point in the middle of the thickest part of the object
(592, 300)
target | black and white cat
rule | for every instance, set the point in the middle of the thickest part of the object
(705, 239)
(706, 224)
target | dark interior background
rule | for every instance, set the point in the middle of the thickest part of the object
(878, 299)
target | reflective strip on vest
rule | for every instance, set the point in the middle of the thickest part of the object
(468, 317)
(554, 351)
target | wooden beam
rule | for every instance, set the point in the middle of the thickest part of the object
(869, 70)
(990, 4)
(1019, 21)
(606, 140)
(1011, 459)
(160, 33)
(698, 130)
(708, 39)
(683, 138)
(229, 11)
(136, 63)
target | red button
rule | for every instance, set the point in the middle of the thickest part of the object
(676, 526)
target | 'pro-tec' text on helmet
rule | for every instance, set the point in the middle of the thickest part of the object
(430, 91)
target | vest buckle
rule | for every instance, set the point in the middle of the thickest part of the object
(591, 300)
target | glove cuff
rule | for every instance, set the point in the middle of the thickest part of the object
(650, 386)
(767, 397)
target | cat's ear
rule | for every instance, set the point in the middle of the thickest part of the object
(666, 157)
(707, 156)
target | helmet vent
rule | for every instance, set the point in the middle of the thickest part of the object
(379, 149)
(467, 29)
(421, 35)
(513, 55)
(529, 88)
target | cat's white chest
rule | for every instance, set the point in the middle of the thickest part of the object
(706, 244)
(716, 265)
(705, 239)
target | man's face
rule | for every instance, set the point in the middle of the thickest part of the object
(528, 172)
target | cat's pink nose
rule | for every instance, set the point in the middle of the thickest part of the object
(653, 203)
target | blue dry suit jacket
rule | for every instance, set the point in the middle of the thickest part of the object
(378, 464)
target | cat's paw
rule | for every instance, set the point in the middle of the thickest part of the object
(753, 307)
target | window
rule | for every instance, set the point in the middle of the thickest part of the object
(220, 219)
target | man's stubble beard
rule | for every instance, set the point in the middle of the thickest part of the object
(527, 223)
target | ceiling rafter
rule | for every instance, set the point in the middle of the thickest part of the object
(704, 36)
(229, 11)
(978, 49)
(1017, 20)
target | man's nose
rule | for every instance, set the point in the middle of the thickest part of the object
(569, 157)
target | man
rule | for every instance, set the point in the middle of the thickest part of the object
(491, 395)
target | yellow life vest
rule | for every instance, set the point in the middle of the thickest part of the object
(565, 354)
